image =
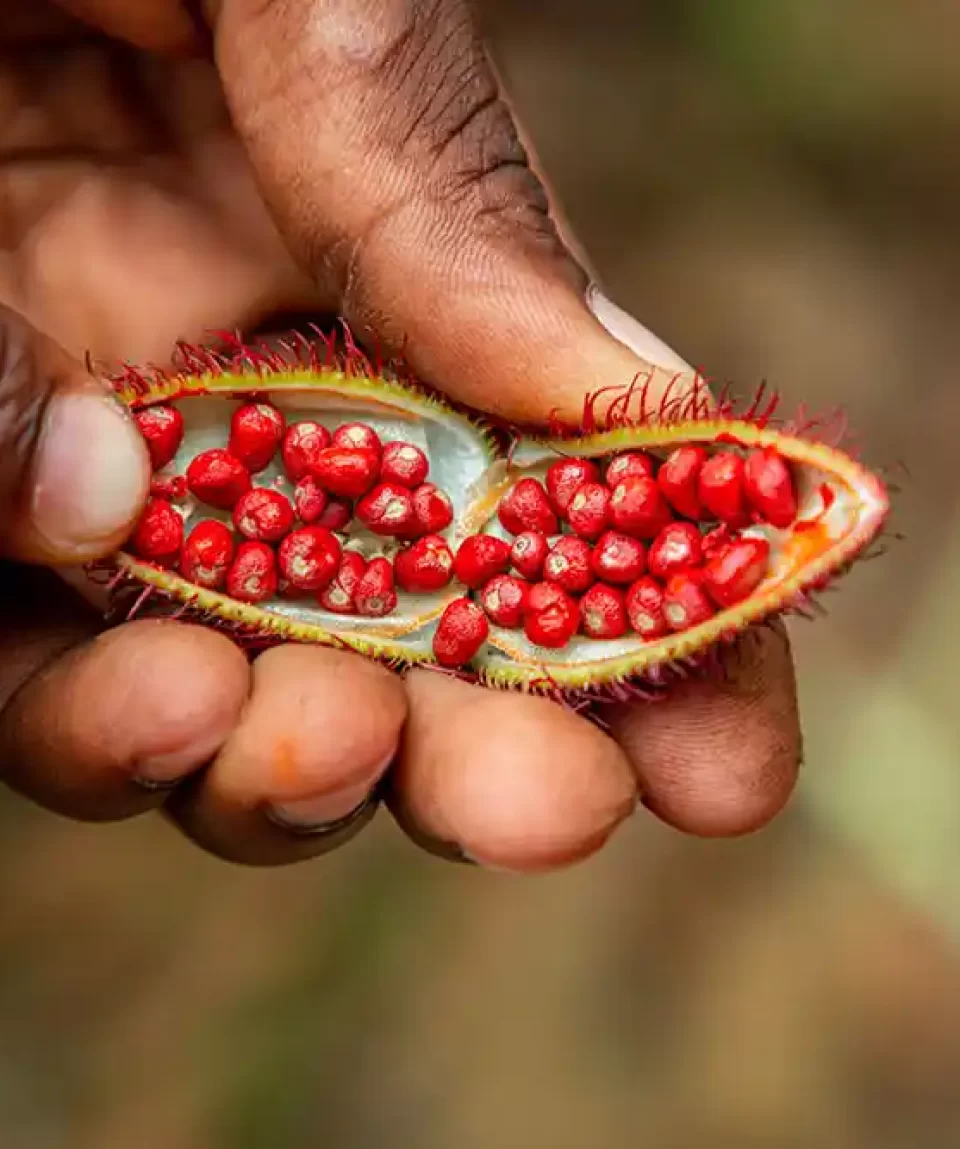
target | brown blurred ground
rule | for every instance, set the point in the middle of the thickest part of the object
(772, 185)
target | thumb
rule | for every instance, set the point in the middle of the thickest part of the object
(74, 471)
(396, 171)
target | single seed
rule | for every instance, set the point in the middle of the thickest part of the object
(717, 540)
(552, 616)
(721, 488)
(679, 479)
(618, 558)
(387, 510)
(769, 487)
(357, 435)
(734, 574)
(252, 576)
(173, 488)
(644, 602)
(638, 509)
(685, 604)
(310, 499)
(630, 465)
(336, 515)
(528, 554)
(256, 431)
(565, 476)
(218, 479)
(479, 558)
(162, 428)
(676, 548)
(603, 612)
(207, 554)
(339, 596)
(504, 600)
(309, 558)
(403, 463)
(263, 514)
(461, 632)
(347, 471)
(376, 595)
(301, 448)
(159, 533)
(526, 507)
(569, 564)
(432, 509)
(589, 510)
(425, 566)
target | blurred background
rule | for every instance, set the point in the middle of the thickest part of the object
(772, 186)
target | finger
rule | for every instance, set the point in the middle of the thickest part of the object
(74, 472)
(395, 171)
(720, 756)
(98, 727)
(295, 776)
(510, 780)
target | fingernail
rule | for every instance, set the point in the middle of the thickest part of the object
(319, 812)
(91, 473)
(631, 333)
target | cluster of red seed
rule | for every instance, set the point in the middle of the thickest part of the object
(645, 546)
(292, 544)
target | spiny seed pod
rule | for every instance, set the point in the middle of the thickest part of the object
(424, 566)
(403, 463)
(461, 631)
(528, 554)
(569, 564)
(504, 600)
(679, 478)
(207, 554)
(376, 595)
(159, 533)
(301, 448)
(347, 471)
(309, 558)
(618, 558)
(565, 476)
(252, 577)
(479, 558)
(769, 487)
(256, 431)
(676, 548)
(526, 507)
(263, 515)
(564, 649)
(357, 435)
(603, 612)
(217, 478)
(387, 510)
(162, 429)
(589, 510)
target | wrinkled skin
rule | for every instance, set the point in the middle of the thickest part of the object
(170, 169)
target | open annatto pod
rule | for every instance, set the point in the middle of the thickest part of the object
(759, 515)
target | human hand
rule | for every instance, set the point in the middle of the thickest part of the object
(368, 138)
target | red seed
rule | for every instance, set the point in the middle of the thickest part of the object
(173, 488)
(207, 554)
(403, 463)
(432, 509)
(552, 616)
(387, 510)
(461, 631)
(644, 602)
(425, 566)
(721, 488)
(769, 487)
(717, 540)
(526, 507)
(603, 612)
(736, 572)
(347, 471)
(678, 547)
(565, 476)
(679, 479)
(252, 576)
(357, 435)
(569, 564)
(479, 558)
(618, 558)
(301, 448)
(504, 600)
(638, 509)
(310, 499)
(528, 553)
(685, 604)
(162, 428)
(256, 431)
(376, 595)
(159, 533)
(309, 558)
(339, 595)
(263, 514)
(629, 465)
(589, 510)
(335, 515)
(218, 478)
